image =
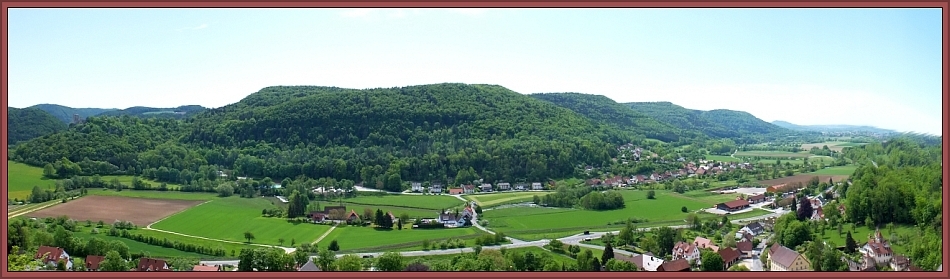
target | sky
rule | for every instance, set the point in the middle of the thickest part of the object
(877, 67)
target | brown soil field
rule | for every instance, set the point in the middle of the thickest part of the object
(139, 211)
(803, 178)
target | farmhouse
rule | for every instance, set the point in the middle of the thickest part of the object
(52, 255)
(646, 262)
(702, 243)
(468, 188)
(900, 263)
(485, 187)
(449, 220)
(878, 248)
(504, 186)
(521, 186)
(729, 257)
(149, 264)
(683, 250)
(818, 214)
(435, 188)
(745, 248)
(756, 199)
(456, 191)
(352, 216)
(783, 259)
(92, 262)
(416, 186)
(732, 206)
(537, 186)
(674, 265)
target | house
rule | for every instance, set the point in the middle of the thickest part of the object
(878, 248)
(521, 186)
(92, 262)
(754, 228)
(467, 213)
(674, 265)
(683, 250)
(456, 191)
(392, 217)
(468, 188)
(149, 264)
(485, 187)
(352, 216)
(729, 257)
(449, 220)
(746, 249)
(52, 255)
(756, 199)
(318, 216)
(732, 206)
(818, 214)
(867, 264)
(900, 263)
(504, 186)
(321, 216)
(416, 187)
(783, 259)
(435, 188)
(537, 186)
(202, 267)
(702, 243)
(309, 266)
(646, 262)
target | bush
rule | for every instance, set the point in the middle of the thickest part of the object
(684, 209)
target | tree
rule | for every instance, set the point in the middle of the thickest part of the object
(739, 267)
(249, 236)
(651, 195)
(390, 261)
(334, 246)
(417, 266)
(378, 221)
(113, 262)
(281, 241)
(665, 239)
(764, 258)
(711, 261)
(325, 259)
(556, 246)
(608, 252)
(300, 257)
(48, 171)
(349, 263)
(804, 210)
(684, 210)
(536, 200)
(618, 265)
(850, 245)
(224, 190)
(574, 249)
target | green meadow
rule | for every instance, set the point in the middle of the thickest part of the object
(228, 219)
(139, 247)
(722, 158)
(840, 170)
(772, 154)
(22, 177)
(435, 202)
(493, 199)
(152, 194)
(356, 237)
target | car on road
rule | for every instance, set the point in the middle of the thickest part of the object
(368, 256)
(586, 232)
(587, 239)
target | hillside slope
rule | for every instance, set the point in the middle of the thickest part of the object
(735, 125)
(29, 123)
(65, 114)
(148, 112)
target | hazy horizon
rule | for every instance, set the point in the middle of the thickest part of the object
(867, 67)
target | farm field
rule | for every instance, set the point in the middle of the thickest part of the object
(840, 170)
(772, 154)
(153, 194)
(803, 178)
(228, 219)
(833, 145)
(722, 158)
(665, 207)
(434, 202)
(488, 200)
(706, 196)
(139, 211)
(139, 247)
(196, 241)
(352, 237)
(22, 177)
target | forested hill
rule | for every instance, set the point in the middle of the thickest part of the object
(832, 128)
(65, 114)
(604, 110)
(147, 112)
(736, 125)
(379, 136)
(29, 123)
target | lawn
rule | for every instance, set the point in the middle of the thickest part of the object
(771, 154)
(22, 177)
(706, 196)
(488, 200)
(153, 194)
(434, 202)
(861, 234)
(722, 158)
(665, 207)
(228, 219)
(139, 247)
(353, 237)
(840, 170)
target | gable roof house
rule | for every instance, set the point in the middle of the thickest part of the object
(754, 228)
(93, 261)
(729, 257)
(435, 188)
(202, 267)
(703, 243)
(416, 186)
(456, 191)
(504, 186)
(521, 186)
(732, 206)
(644, 262)
(783, 259)
(52, 255)
(309, 266)
(149, 264)
(448, 219)
(745, 248)
(674, 265)
(756, 199)
(352, 216)
(878, 248)
(468, 188)
(537, 186)
(485, 187)
(683, 250)
(900, 263)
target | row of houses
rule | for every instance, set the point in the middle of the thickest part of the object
(53, 255)
(437, 188)
(689, 169)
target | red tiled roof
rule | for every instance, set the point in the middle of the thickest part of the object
(729, 255)
(204, 268)
(52, 254)
(782, 255)
(736, 203)
(675, 265)
(744, 246)
(92, 262)
(147, 264)
(456, 191)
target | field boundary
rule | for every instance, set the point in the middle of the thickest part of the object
(288, 250)
(21, 212)
(173, 214)
(324, 235)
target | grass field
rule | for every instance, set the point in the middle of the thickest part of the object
(228, 219)
(840, 170)
(833, 145)
(722, 158)
(488, 200)
(537, 251)
(197, 241)
(434, 202)
(22, 177)
(138, 247)
(127, 180)
(352, 237)
(861, 234)
(152, 194)
(665, 207)
(706, 196)
(772, 154)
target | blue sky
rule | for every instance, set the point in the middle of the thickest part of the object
(879, 67)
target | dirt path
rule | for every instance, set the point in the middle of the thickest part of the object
(286, 249)
(28, 210)
(324, 235)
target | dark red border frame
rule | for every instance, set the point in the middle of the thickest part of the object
(4, 5)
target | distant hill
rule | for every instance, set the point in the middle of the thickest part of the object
(65, 114)
(148, 112)
(29, 123)
(832, 128)
(718, 123)
(606, 111)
